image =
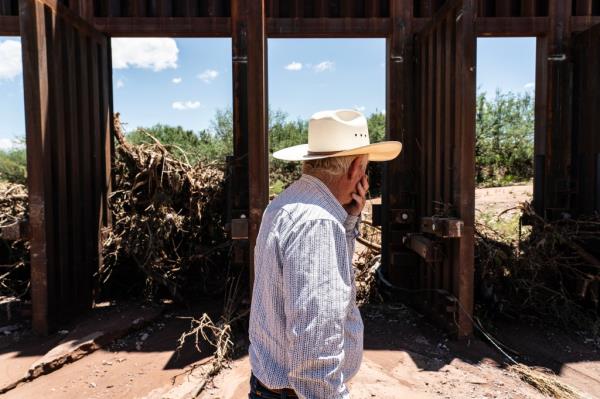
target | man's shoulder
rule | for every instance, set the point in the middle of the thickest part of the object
(299, 206)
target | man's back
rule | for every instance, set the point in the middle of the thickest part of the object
(305, 328)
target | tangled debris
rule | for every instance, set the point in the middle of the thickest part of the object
(167, 220)
(552, 273)
(14, 251)
(366, 262)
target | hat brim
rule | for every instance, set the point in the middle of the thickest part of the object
(378, 152)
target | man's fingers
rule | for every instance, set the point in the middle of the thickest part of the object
(365, 182)
(361, 191)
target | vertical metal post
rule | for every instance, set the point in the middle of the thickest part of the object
(250, 163)
(398, 188)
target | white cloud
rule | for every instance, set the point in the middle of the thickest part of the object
(145, 53)
(529, 86)
(208, 75)
(120, 83)
(9, 144)
(294, 66)
(360, 108)
(324, 66)
(177, 80)
(10, 59)
(185, 105)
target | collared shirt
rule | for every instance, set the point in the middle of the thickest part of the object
(306, 332)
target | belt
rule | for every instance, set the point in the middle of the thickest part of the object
(289, 393)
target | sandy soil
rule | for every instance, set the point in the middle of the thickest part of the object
(499, 199)
(405, 356)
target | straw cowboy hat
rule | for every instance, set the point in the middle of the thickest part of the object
(339, 133)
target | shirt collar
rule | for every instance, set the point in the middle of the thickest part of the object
(334, 207)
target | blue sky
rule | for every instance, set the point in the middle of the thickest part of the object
(184, 81)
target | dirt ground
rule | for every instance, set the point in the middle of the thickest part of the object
(405, 356)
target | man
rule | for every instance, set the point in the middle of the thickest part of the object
(306, 333)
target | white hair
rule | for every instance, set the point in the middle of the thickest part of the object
(328, 168)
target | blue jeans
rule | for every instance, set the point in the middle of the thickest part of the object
(257, 391)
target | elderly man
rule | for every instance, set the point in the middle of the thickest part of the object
(306, 332)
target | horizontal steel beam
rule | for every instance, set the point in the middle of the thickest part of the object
(165, 26)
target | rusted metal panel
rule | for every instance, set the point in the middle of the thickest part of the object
(328, 27)
(586, 121)
(447, 147)
(557, 184)
(511, 26)
(61, 263)
(175, 27)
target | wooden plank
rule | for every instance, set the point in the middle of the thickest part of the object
(9, 25)
(173, 27)
(511, 26)
(39, 163)
(328, 27)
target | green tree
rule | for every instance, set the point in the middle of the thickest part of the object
(505, 133)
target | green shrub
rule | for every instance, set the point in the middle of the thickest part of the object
(13, 165)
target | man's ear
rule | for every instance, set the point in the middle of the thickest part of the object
(355, 169)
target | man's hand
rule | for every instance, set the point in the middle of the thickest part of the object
(359, 198)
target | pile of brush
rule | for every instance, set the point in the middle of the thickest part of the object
(14, 253)
(168, 221)
(553, 271)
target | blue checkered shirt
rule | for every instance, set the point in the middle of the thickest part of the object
(306, 332)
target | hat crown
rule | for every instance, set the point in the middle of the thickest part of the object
(337, 130)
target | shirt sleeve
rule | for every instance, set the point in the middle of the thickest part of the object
(352, 226)
(317, 292)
